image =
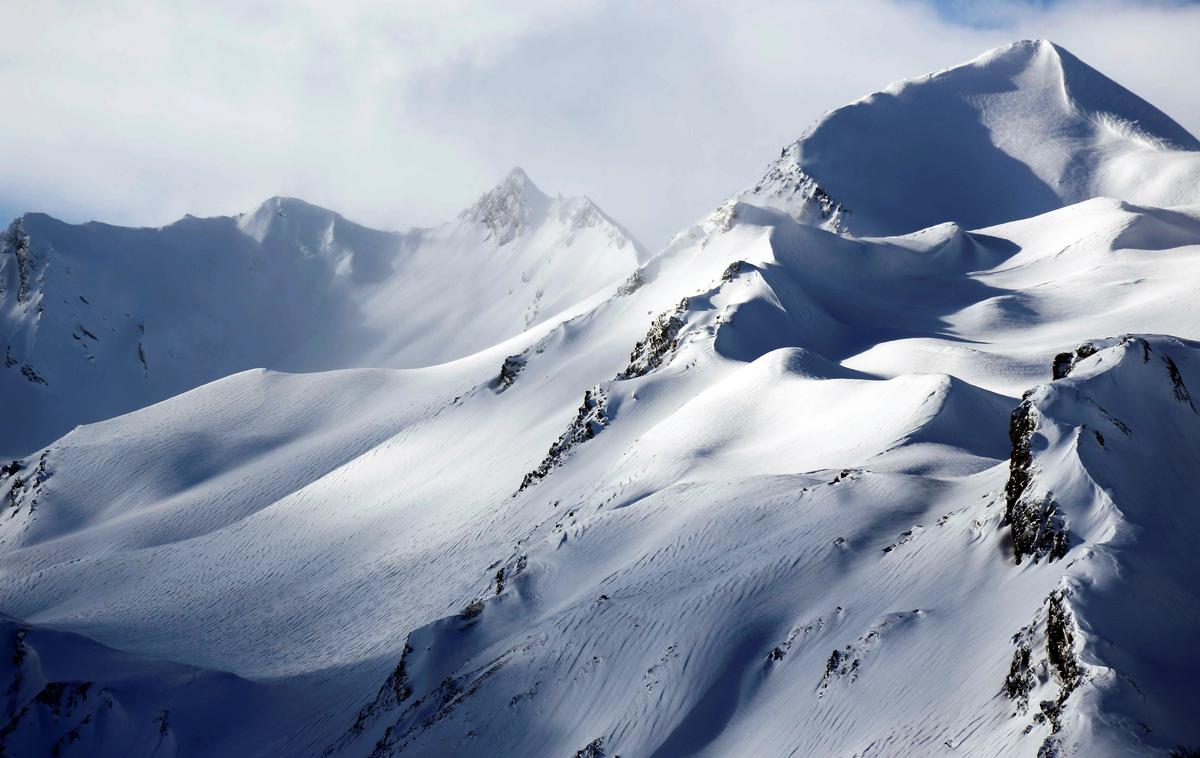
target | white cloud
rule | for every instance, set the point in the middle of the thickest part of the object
(401, 113)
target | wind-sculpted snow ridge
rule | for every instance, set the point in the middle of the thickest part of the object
(955, 146)
(824, 494)
(97, 320)
(787, 186)
(1113, 444)
(898, 596)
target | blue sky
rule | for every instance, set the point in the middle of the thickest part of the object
(987, 14)
(1000, 14)
(402, 113)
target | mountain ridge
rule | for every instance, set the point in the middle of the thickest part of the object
(146, 313)
(781, 489)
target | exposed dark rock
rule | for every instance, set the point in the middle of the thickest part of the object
(471, 610)
(594, 749)
(1038, 528)
(1177, 385)
(141, 347)
(663, 338)
(395, 690)
(1021, 679)
(905, 537)
(1144, 345)
(847, 474)
(26, 488)
(1060, 645)
(1118, 423)
(1021, 425)
(846, 662)
(509, 370)
(588, 421)
(435, 706)
(16, 243)
(1057, 624)
(786, 180)
(506, 574)
(163, 721)
(1064, 363)
(30, 373)
(1062, 366)
(732, 270)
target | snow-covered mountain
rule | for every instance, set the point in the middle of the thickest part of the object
(783, 491)
(1019, 131)
(97, 320)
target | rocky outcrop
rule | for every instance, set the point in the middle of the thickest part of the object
(594, 749)
(660, 341)
(732, 270)
(417, 714)
(395, 691)
(589, 420)
(509, 370)
(786, 184)
(1064, 363)
(1178, 388)
(1038, 527)
(1045, 662)
(31, 373)
(24, 490)
(509, 209)
(845, 663)
(16, 243)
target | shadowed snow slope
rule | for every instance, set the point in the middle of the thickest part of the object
(780, 492)
(1019, 131)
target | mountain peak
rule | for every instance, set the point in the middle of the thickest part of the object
(1020, 130)
(278, 213)
(509, 208)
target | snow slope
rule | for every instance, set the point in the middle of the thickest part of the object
(98, 320)
(783, 492)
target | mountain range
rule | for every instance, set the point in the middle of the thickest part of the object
(893, 453)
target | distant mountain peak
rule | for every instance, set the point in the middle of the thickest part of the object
(509, 208)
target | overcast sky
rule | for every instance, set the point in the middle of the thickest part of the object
(402, 113)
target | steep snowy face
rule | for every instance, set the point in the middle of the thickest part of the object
(97, 320)
(1019, 131)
